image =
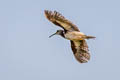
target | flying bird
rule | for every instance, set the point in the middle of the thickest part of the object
(72, 33)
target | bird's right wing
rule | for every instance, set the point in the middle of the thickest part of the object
(80, 51)
(60, 20)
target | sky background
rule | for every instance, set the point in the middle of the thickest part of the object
(26, 52)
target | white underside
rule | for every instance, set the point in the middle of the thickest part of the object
(74, 35)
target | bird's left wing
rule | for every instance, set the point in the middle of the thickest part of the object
(80, 50)
(60, 20)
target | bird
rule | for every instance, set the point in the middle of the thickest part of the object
(71, 32)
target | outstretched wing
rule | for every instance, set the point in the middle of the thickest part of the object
(60, 20)
(80, 50)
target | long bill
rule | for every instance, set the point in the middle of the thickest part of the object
(52, 35)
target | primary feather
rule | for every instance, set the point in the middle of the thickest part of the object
(60, 20)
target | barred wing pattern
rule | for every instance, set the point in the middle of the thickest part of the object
(60, 20)
(80, 50)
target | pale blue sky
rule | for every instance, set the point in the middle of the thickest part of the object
(26, 52)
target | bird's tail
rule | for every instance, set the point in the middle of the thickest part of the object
(90, 37)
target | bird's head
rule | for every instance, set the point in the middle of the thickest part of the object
(58, 32)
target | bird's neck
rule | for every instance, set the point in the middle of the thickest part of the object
(62, 34)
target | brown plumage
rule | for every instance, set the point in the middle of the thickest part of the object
(80, 50)
(72, 33)
(60, 20)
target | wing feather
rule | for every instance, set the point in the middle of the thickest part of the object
(60, 20)
(80, 50)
